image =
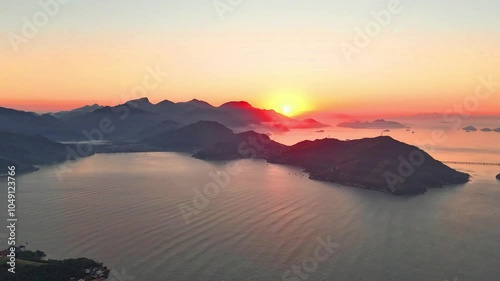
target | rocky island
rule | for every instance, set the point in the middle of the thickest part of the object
(498, 177)
(380, 163)
(470, 129)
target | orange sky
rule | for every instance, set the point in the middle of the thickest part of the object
(404, 69)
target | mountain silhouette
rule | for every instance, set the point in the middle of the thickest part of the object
(372, 163)
(77, 111)
(29, 123)
(27, 152)
(127, 121)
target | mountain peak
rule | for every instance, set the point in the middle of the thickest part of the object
(208, 124)
(196, 102)
(237, 104)
(164, 102)
(140, 100)
(310, 120)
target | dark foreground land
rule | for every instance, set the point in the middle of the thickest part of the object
(31, 265)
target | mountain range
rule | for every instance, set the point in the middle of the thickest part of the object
(138, 118)
(198, 128)
(30, 123)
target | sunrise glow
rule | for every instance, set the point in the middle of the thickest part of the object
(288, 101)
(250, 140)
(286, 61)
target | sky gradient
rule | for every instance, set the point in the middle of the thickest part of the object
(273, 54)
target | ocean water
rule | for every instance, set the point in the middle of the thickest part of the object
(442, 142)
(264, 222)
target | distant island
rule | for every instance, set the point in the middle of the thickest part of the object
(470, 129)
(498, 177)
(381, 163)
(376, 124)
(497, 130)
(474, 129)
(32, 265)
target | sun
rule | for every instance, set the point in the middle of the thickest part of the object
(289, 102)
(286, 109)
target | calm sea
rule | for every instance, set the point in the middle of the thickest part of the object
(262, 222)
